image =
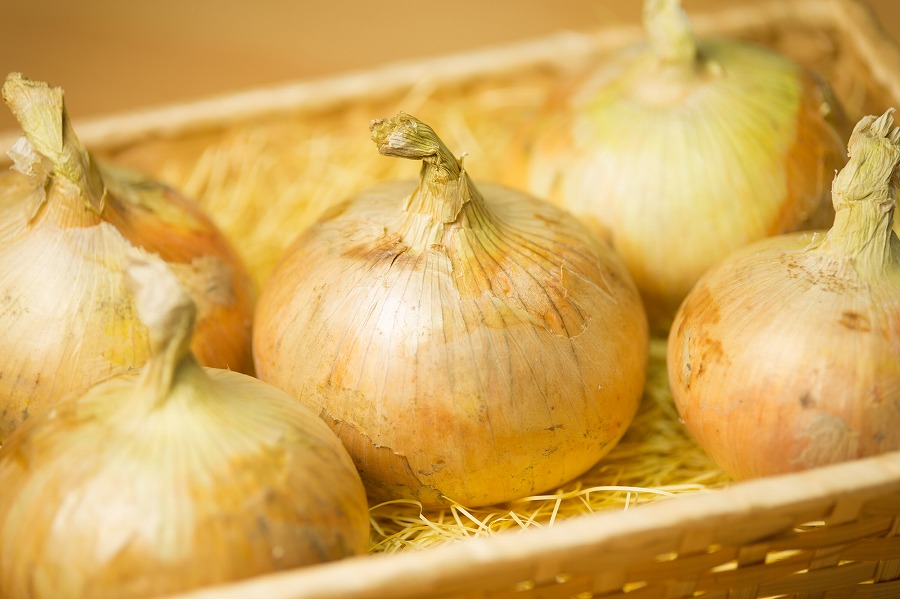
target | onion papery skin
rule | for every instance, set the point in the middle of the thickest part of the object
(502, 361)
(68, 318)
(784, 358)
(677, 165)
(68, 314)
(101, 499)
(158, 219)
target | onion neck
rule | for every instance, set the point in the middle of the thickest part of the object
(669, 32)
(54, 155)
(169, 315)
(445, 194)
(865, 197)
(65, 206)
(863, 233)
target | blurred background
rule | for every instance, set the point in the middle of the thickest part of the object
(113, 56)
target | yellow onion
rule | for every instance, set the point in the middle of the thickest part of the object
(682, 150)
(466, 344)
(170, 478)
(66, 222)
(786, 355)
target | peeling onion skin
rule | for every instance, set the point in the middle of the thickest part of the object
(786, 356)
(172, 478)
(682, 150)
(67, 222)
(468, 345)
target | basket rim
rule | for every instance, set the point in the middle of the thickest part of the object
(833, 493)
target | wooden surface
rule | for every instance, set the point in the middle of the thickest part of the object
(112, 56)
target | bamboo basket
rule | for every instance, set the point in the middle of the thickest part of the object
(827, 533)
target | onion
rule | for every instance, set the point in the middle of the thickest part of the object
(786, 355)
(468, 345)
(682, 150)
(171, 478)
(66, 223)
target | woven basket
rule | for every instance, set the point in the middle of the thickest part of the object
(824, 534)
(831, 532)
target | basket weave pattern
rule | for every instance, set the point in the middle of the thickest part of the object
(821, 534)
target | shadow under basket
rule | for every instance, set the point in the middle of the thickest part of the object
(265, 163)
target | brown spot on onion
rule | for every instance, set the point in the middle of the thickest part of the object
(855, 321)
